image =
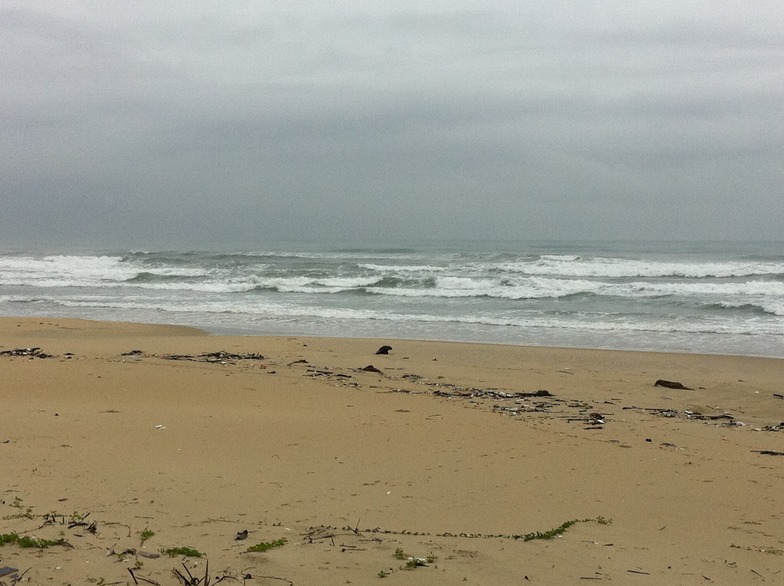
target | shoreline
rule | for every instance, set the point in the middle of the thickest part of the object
(450, 452)
(230, 332)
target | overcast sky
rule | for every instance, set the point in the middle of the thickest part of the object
(193, 123)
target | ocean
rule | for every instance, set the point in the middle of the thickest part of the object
(696, 297)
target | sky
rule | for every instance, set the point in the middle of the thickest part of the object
(193, 124)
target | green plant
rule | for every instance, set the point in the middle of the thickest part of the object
(550, 533)
(17, 504)
(30, 542)
(265, 545)
(561, 529)
(77, 517)
(400, 554)
(183, 551)
(145, 535)
(383, 574)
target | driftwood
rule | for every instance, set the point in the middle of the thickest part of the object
(490, 394)
(214, 357)
(29, 352)
(700, 416)
(671, 385)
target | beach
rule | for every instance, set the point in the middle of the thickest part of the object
(444, 463)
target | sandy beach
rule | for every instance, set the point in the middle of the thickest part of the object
(444, 463)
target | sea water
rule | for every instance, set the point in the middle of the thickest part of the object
(725, 298)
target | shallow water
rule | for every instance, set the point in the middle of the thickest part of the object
(725, 298)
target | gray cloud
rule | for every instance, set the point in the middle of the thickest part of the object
(187, 123)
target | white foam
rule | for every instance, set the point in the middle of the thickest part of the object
(620, 268)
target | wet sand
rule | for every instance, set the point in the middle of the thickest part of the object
(462, 455)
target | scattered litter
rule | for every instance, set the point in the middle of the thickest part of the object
(29, 352)
(777, 427)
(214, 357)
(490, 394)
(159, 426)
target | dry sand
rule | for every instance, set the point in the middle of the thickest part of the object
(425, 457)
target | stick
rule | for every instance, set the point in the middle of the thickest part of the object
(289, 582)
(142, 578)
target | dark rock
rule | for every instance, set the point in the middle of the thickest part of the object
(384, 350)
(371, 368)
(671, 385)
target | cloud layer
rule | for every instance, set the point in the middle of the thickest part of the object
(188, 123)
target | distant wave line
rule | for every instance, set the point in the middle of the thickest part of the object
(578, 322)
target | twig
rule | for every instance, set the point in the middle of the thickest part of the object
(356, 527)
(19, 577)
(190, 580)
(142, 578)
(289, 582)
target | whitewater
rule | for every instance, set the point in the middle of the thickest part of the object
(725, 298)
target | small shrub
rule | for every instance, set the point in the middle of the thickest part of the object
(30, 542)
(183, 551)
(266, 545)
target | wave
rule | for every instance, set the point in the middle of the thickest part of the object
(166, 277)
(577, 322)
(411, 269)
(433, 292)
(103, 272)
(762, 308)
(615, 268)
